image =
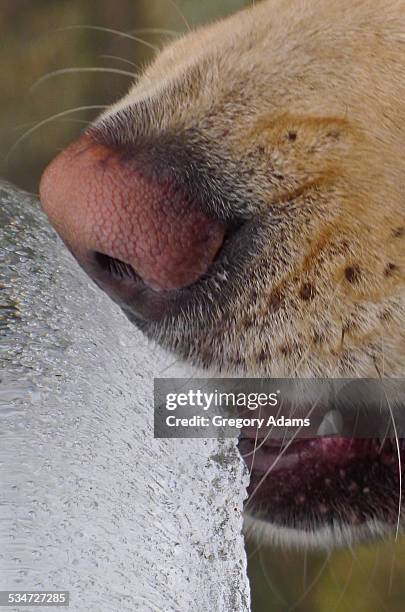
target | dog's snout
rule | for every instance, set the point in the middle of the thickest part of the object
(123, 225)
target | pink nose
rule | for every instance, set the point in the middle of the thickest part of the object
(102, 202)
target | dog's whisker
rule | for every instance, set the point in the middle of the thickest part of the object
(120, 59)
(312, 584)
(23, 126)
(157, 31)
(255, 445)
(269, 581)
(180, 13)
(76, 70)
(398, 450)
(279, 456)
(111, 31)
(40, 124)
(343, 589)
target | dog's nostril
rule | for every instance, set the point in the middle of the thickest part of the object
(115, 267)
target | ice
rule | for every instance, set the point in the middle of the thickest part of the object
(89, 501)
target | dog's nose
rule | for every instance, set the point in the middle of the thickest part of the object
(123, 222)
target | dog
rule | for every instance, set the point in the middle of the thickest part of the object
(244, 204)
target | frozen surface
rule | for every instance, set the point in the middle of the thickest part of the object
(89, 501)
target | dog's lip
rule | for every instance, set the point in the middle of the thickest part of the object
(143, 303)
(139, 301)
(330, 479)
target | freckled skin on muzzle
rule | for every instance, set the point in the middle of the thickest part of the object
(244, 204)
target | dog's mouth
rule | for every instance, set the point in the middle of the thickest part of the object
(323, 483)
(339, 472)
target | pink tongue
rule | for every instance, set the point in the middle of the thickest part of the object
(99, 200)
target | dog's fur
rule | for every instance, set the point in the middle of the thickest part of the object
(298, 107)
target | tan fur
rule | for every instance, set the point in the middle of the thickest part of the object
(308, 96)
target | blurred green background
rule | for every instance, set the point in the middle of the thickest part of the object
(34, 42)
(35, 39)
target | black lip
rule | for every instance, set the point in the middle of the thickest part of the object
(141, 303)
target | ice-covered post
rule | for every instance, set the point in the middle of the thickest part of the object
(90, 502)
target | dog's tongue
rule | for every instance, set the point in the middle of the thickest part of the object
(101, 201)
